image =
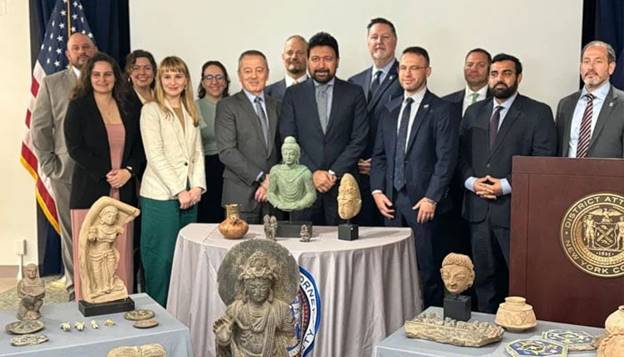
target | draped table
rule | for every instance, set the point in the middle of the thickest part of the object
(357, 291)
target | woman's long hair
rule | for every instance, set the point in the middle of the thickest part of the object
(84, 86)
(177, 65)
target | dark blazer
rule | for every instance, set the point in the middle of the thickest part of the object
(87, 144)
(431, 151)
(241, 146)
(528, 129)
(457, 100)
(607, 140)
(389, 89)
(276, 90)
(342, 145)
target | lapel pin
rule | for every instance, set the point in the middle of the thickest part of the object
(610, 104)
(426, 106)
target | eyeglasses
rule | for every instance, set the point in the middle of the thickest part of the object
(210, 77)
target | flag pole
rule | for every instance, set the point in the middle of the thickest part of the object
(68, 17)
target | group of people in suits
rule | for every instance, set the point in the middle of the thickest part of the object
(441, 166)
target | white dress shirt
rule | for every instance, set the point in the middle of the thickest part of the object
(600, 94)
(481, 95)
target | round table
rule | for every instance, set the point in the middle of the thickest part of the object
(357, 291)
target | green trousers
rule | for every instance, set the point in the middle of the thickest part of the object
(160, 223)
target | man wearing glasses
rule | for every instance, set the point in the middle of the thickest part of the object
(413, 160)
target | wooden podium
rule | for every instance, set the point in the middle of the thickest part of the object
(543, 191)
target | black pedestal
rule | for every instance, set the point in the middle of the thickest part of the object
(457, 307)
(348, 231)
(111, 307)
(292, 229)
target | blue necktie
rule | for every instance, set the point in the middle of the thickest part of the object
(399, 152)
(374, 84)
(264, 122)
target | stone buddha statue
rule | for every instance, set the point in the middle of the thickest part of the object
(291, 187)
(30, 290)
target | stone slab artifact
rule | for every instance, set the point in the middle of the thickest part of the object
(612, 345)
(24, 327)
(30, 291)
(150, 350)
(28, 340)
(574, 340)
(536, 347)
(139, 314)
(290, 184)
(98, 257)
(257, 281)
(349, 198)
(459, 333)
(233, 227)
(145, 323)
(515, 314)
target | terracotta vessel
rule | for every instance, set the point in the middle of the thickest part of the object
(615, 322)
(515, 314)
(233, 227)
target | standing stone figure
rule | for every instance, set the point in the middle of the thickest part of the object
(258, 321)
(304, 235)
(99, 258)
(291, 187)
(30, 290)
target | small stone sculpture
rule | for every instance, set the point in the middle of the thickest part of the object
(349, 198)
(109, 323)
(94, 324)
(457, 273)
(257, 280)
(305, 234)
(65, 326)
(459, 333)
(233, 227)
(150, 350)
(79, 325)
(515, 314)
(99, 258)
(612, 345)
(270, 227)
(290, 186)
(28, 340)
(30, 290)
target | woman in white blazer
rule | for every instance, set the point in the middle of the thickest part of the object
(174, 178)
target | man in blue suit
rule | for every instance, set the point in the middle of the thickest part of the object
(380, 84)
(327, 116)
(294, 58)
(413, 161)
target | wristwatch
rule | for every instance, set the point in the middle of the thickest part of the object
(129, 168)
(262, 177)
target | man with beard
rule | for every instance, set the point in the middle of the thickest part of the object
(380, 84)
(492, 132)
(414, 158)
(476, 71)
(327, 116)
(48, 138)
(590, 122)
(294, 57)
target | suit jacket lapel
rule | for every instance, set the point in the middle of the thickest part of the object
(512, 114)
(421, 114)
(393, 125)
(392, 74)
(568, 114)
(250, 112)
(272, 116)
(604, 115)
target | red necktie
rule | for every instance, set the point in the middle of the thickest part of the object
(582, 146)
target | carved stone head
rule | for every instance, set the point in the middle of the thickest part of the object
(31, 271)
(457, 273)
(290, 151)
(349, 199)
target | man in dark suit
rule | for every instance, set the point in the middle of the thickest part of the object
(414, 157)
(294, 58)
(476, 71)
(590, 122)
(327, 116)
(245, 128)
(492, 132)
(380, 84)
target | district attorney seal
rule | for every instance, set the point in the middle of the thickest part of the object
(592, 234)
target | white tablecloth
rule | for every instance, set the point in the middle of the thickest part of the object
(367, 287)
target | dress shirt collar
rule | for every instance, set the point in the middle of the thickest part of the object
(482, 92)
(600, 92)
(418, 96)
(506, 104)
(290, 81)
(76, 71)
(330, 83)
(385, 69)
(252, 97)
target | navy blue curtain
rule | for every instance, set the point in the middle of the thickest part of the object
(609, 27)
(108, 19)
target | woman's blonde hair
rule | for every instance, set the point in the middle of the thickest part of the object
(176, 64)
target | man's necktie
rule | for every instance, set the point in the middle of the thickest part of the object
(374, 84)
(401, 142)
(264, 122)
(494, 122)
(473, 98)
(582, 147)
(321, 105)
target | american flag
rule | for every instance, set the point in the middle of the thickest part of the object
(66, 18)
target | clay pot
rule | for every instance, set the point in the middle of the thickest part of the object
(515, 314)
(233, 227)
(615, 322)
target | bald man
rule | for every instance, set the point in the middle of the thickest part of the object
(49, 140)
(294, 57)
